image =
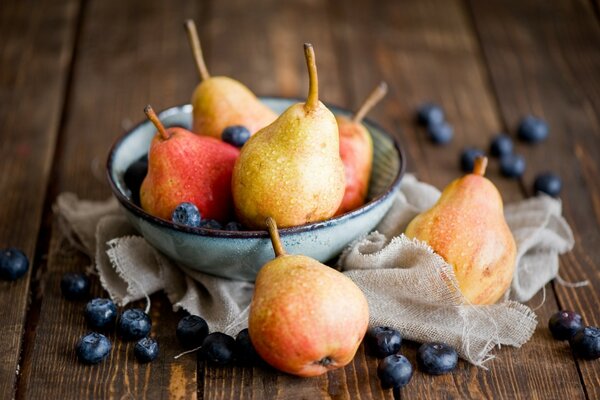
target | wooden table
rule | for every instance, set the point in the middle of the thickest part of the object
(75, 74)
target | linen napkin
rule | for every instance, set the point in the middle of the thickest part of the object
(408, 286)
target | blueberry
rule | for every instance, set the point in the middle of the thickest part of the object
(235, 135)
(191, 331)
(134, 324)
(383, 341)
(586, 343)
(430, 114)
(394, 371)
(548, 183)
(146, 350)
(467, 158)
(233, 226)
(13, 264)
(436, 358)
(440, 133)
(75, 286)
(533, 129)
(93, 348)
(218, 348)
(186, 214)
(512, 165)
(245, 352)
(211, 224)
(501, 145)
(100, 313)
(134, 176)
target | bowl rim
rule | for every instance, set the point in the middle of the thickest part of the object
(200, 231)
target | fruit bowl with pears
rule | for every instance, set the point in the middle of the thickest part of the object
(325, 174)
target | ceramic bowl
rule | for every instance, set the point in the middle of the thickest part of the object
(239, 255)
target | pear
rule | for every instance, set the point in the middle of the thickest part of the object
(291, 170)
(467, 228)
(184, 167)
(220, 102)
(356, 150)
(305, 317)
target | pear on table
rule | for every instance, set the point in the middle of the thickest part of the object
(467, 228)
(356, 150)
(184, 167)
(291, 170)
(305, 317)
(220, 102)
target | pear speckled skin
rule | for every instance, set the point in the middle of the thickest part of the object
(467, 228)
(305, 317)
(291, 170)
(220, 102)
(356, 150)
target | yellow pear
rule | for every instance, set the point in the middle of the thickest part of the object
(220, 102)
(291, 170)
(467, 228)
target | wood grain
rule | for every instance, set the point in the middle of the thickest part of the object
(35, 54)
(408, 45)
(548, 64)
(128, 56)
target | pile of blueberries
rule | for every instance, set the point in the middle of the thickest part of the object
(186, 213)
(512, 165)
(395, 370)
(584, 340)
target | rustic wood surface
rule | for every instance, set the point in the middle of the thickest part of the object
(75, 74)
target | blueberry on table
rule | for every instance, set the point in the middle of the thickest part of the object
(586, 343)
(191, 331)
(234, 226)
(440, 133)
(134, 324)
(134, 176)
(146, 350)
(244, 350)
(501, 145)
(13, 264)
(430, 114)
(186, 214)
(512, 165)
(218, 348)
(383, 341)
(394, 371)
(564, 324)
(93, 348)
(548, 183)
(211, 224)
(533, 129)
(436, 358)
(100, 313)
(75, 286)
(235, 135)
(467, 158)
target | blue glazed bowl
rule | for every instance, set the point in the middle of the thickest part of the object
(240, 254)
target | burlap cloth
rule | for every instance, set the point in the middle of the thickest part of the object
(405, 282)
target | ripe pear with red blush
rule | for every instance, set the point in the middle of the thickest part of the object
(467, 228)
(356, 150)
(184, 167)
(305, 317)
(220, 102)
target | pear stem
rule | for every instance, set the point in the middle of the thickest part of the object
(275, 240)
(480, 165)
(370, 102)
(192, 33)
(312, 101)
(154, 119)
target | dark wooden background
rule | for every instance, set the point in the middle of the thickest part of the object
(75, 73)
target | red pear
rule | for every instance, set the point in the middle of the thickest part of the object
(184, 167)
(356, 150)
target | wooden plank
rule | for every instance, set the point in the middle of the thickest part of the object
(35, 54)
(547, 64)
(426, 51)
(129, 54)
